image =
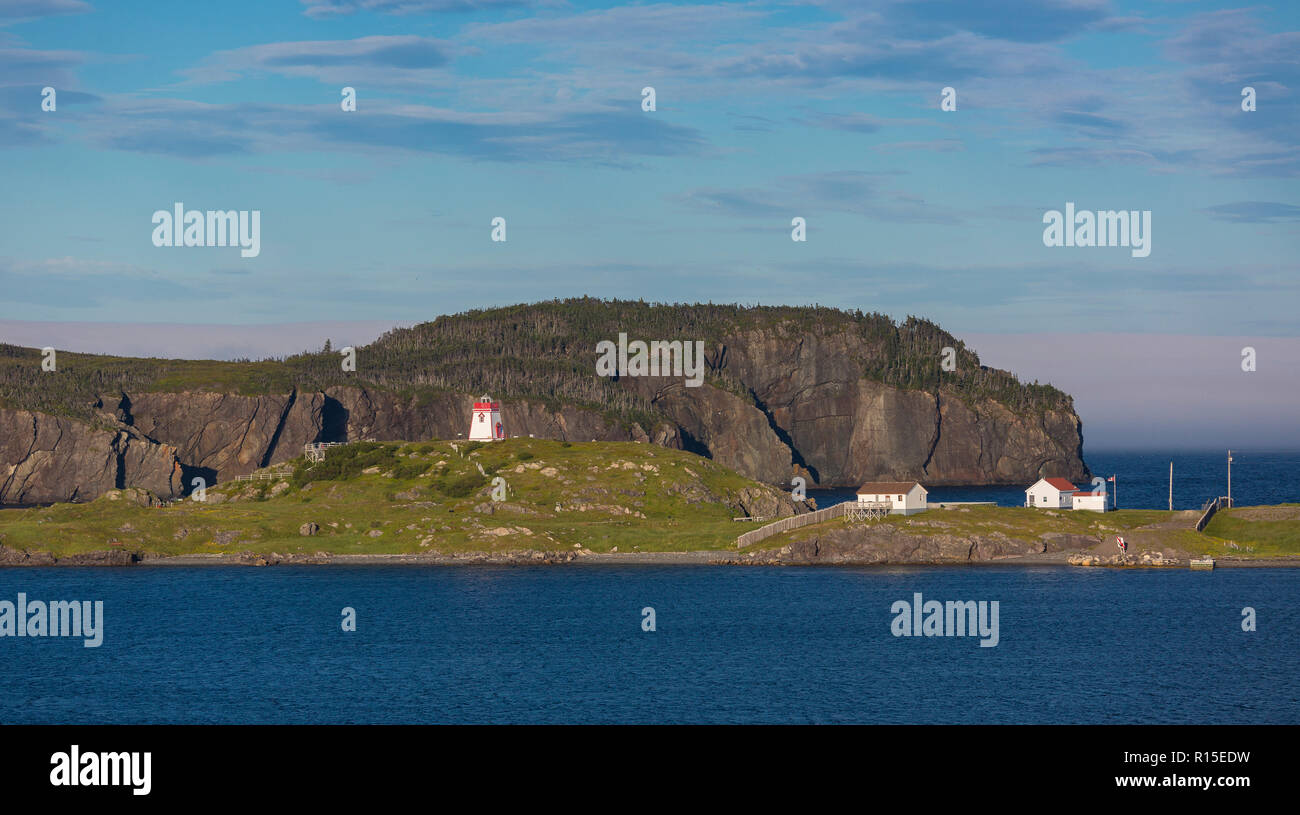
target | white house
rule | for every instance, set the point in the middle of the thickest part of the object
(903, 497)
(1094, 501)
(1050, 493)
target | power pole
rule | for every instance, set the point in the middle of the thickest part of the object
(1229, 479)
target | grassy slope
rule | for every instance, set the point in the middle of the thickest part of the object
(685, 500)
(610, 475)
(1021, 523)
(1256, 531)
(1241, 532)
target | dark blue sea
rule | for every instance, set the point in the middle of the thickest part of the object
(733, 644)
(1142, 480)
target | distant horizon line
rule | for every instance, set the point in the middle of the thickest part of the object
(1224, 450)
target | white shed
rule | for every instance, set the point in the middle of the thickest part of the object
(903, 497)
(1094, 501)
(1050, 493)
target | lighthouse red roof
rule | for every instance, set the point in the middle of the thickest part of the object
(1061, 484)
(487, 405)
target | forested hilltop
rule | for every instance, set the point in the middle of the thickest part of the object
(544, 351)
(831, 397)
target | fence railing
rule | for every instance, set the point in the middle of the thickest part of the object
(793, 522)
(1212, 506)
(316, 451)
(264, 476)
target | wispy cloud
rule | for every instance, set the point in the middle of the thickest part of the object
(1255, 212)
(1012, 20)
(657, 24)
(183, 129)
(849, 191)
(858, 122)
(335, 8)
(391, 58)
(25, 9)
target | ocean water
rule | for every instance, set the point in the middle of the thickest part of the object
(733, 644)
(1143, 480)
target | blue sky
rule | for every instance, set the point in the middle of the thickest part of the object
(471, 109)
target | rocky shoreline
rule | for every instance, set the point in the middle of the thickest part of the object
(786, 556)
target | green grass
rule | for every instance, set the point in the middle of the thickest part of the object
(1021, 523)
(370, 486)
(1267, 531)
(422, 498)
(1146, 529)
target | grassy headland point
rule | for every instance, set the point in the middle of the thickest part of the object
(444, 498)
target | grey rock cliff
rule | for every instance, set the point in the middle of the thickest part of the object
(50, 458)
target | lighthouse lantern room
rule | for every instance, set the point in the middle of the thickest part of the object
(485, 423)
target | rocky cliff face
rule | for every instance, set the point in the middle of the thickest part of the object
(222, 435)
(163, 440)
(797, 405)
(846, 430)
(362, 413)
(809, 412)
(46, 458)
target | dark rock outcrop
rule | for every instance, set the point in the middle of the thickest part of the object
(368, 413)
(101, 557)
(226, 434)
(883, 544)
(845, 429)
(47, 458)
(780, 402)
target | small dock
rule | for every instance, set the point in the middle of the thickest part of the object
(1202, 564)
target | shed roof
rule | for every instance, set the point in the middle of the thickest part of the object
(1061, 484)
(886, 487)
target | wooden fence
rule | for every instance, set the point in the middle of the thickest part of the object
(264, 476)
(793, 522)
(316, 452)
(1212, 506)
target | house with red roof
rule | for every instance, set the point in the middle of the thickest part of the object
(1051, 493)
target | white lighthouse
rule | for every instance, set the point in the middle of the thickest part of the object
(485, 423)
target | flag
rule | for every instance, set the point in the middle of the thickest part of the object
(1112, 478)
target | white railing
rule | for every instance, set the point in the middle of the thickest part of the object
(264, 476)
(793, 522)
(316, 451)
(868, 510)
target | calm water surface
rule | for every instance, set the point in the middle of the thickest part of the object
(734, 644)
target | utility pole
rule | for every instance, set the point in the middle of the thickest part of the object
(1229, 479)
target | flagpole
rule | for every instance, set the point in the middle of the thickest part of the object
(1171, 486)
